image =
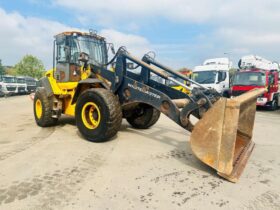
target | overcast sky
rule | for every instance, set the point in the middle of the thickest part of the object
(182, 32)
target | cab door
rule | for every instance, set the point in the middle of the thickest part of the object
(67, 64)
(223, 80)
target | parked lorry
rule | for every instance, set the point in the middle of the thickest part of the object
(82, 85)
(257, 72)
(21, 85)
(214, 73)
(8, 85)
(31, 84)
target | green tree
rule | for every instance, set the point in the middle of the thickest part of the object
(232, 72)
(2, 70)
(11, 71)
(30, 66)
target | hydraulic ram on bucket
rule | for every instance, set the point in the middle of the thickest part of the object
(222, 139)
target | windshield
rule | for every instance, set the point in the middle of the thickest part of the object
(69, 49)
(204, 77)
(96, 49)
(21, 80)
(9, 79)
(249, 78)
(31, 83)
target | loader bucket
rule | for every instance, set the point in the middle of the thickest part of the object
(222, 139)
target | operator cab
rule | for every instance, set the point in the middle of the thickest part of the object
(70, 46)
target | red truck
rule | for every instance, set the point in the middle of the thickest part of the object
(248, 78)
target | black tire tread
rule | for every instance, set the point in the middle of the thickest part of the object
(115, 113)
(273, 108)
(46, 120)
(145, 125)
(114, 106)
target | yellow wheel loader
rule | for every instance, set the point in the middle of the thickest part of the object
(82, 85)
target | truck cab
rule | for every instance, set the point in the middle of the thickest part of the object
(256, 72)
(214, 73)
(21, 85)
(31, 84)
(8, 85)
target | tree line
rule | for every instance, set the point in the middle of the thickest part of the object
(29, 65)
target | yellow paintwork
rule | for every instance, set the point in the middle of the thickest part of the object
(182, 89)
(38, 108)
(66, 90)
(89, 120)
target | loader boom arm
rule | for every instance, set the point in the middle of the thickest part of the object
(140, 88)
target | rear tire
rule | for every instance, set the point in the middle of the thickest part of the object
(143, 116)
(98, 114)
(42, 107)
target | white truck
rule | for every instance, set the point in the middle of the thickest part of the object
(214, 73)
(8, 85)
(31, 84)
(21, 85)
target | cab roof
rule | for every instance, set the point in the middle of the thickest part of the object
(79, 33)
(211, 68)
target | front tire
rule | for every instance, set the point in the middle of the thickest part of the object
(42, 107)
(273, 105)
(98, 114)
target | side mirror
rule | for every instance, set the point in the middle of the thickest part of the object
(84, 57)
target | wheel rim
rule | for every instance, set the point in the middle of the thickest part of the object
(91, 115)
(39, 108)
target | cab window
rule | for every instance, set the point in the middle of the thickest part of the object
(222, 76)
(62, 51)
(271, 79)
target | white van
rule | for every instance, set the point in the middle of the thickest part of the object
(214, 73)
